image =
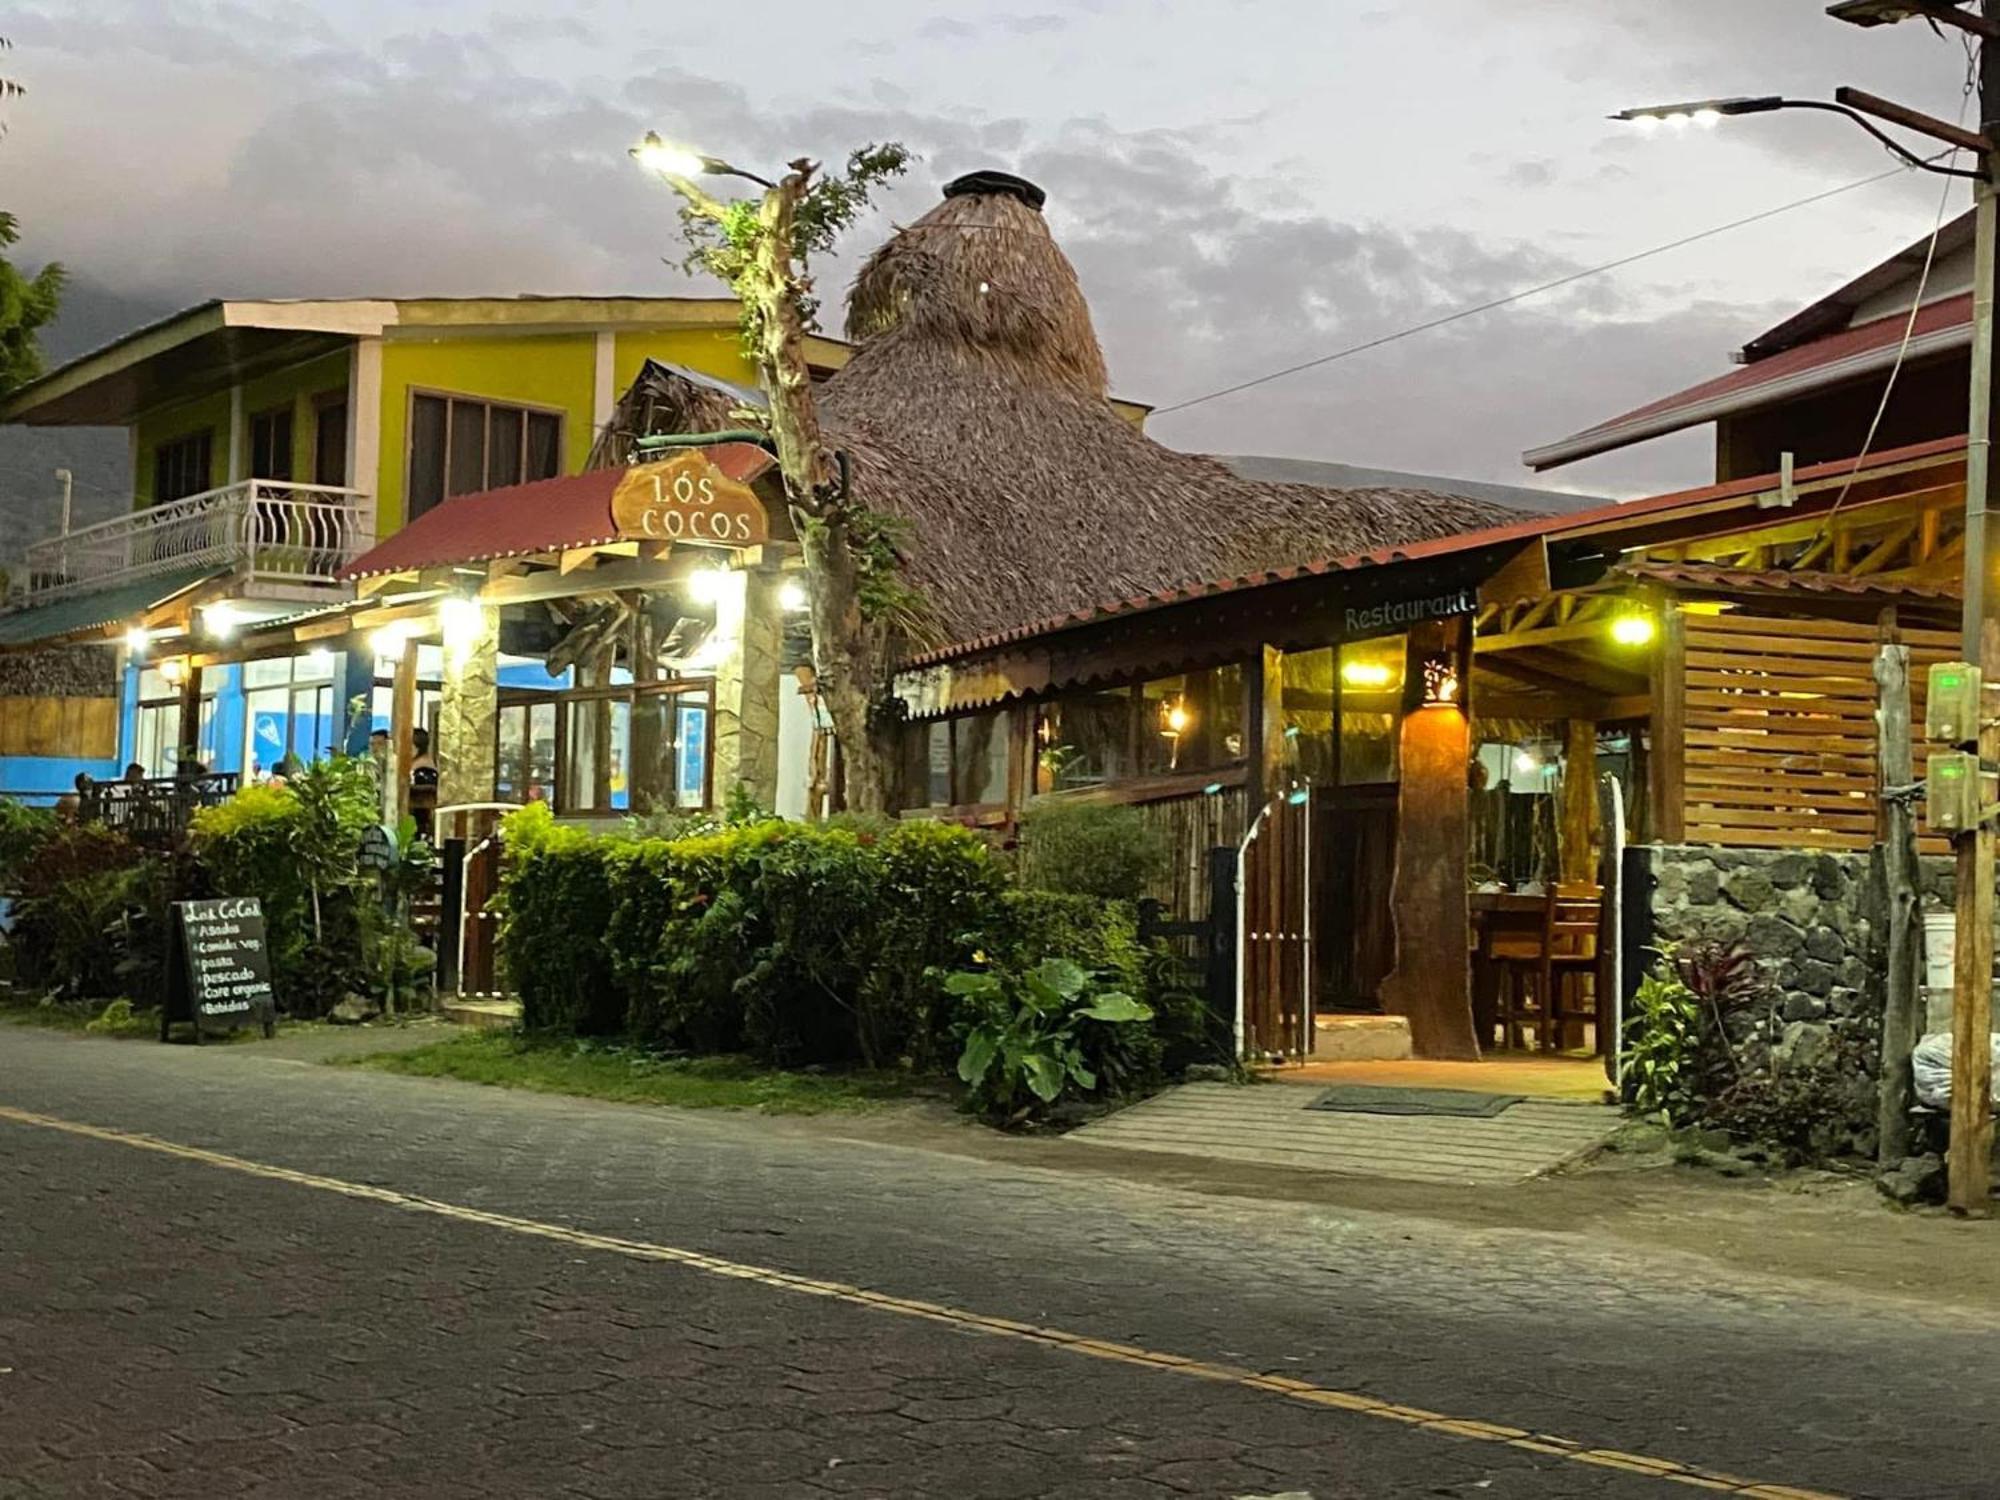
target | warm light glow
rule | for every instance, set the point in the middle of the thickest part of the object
(460, 621)
(319, 658)
(656, 155)
(175, 670)
(137, 639)
(1440, 683)
(792, 596)
(1707, 119)
(1175, 718)
(708, 585)
(1367, 674)
(1633, 630)
(390, 639)
(1525, 762)
(221, 620)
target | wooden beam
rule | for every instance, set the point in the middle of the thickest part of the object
(1550, 635)
(1576, 827)
(626, 573)
(402, 725)
(1667, 753)
(1969, 1163)
(574, 558)
(1878, 556)
(1525, 575)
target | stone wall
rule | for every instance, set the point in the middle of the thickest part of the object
(60, 672)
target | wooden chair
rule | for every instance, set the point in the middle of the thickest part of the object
(1556, 976)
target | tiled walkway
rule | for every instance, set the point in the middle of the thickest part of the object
(1270, 1125)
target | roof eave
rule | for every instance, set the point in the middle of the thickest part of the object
(1595, 440)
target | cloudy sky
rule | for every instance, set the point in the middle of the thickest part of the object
(1241, 186)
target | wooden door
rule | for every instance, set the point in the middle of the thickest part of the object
(1279, 985)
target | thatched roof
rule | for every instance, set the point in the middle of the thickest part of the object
(975, 409)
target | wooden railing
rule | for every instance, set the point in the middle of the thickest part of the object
(271, 529)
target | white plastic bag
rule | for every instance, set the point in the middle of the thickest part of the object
(1931, 1064)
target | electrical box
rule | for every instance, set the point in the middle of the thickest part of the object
(1951, 792)
(1951, 711)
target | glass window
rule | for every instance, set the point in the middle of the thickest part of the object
(156, 734)
(1191, 723)
(330, 442)
(526, 760)
(1308, 681)
(182, 467)
(459, 446)
(1371, 709)
(1084, 740)
(271, 444)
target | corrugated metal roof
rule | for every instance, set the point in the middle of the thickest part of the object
(1827, 361)
(93, 611)
(546, 515)
(1721, 579)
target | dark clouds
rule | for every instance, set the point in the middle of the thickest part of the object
(286, 149)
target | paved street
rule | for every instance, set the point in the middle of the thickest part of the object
(311, 1281)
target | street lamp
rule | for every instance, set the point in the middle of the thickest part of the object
(1851, 104)
(669, 160)
(1703, 112)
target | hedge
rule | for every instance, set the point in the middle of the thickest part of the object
(799, 943)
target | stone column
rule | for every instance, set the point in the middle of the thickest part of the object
(751, 622)
(469, 707)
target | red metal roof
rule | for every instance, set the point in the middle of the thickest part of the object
(1654, 507)
(1823, 361)
(544, 516)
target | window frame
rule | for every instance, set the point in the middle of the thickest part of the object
(205, 437)
(284, 413)
(413, 393)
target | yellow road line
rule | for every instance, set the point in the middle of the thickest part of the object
(1437, 1423)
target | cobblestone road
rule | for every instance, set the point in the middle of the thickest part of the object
(178, 1327)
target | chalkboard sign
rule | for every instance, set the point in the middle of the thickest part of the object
(220, 971)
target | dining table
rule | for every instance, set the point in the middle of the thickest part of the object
(1505, 923)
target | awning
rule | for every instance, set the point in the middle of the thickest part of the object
(79, 614)
(546, 515)
(1825, 362)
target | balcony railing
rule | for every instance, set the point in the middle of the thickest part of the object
(270, 530)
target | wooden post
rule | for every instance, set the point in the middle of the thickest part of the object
(403, 724)
(1431, 983)
(1576, 835)
(189, 748)
(1970, 1163)
(1902, 1008)
(1667, 755)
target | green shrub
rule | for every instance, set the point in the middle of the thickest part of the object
(556, 899)
(1096, 849)
(23, 829)
(74, 917)
(1024, 1045)
(296, 848)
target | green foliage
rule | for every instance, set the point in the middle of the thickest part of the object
(116, 1017)
(1090, 849)
(22, 831)
(27, 303)
(556, 898)
(331, 927)
(1664, 1031)
(1023, 1047)
(728, 250)
(83, 894)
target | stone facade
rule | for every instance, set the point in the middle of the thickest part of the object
(60, 672)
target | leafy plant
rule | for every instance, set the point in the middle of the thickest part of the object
(1660, 1062)
(1090, 849)
(1023, 1044)
(23, 829)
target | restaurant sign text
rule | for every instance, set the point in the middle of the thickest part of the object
(1394, 614)
(686, 498)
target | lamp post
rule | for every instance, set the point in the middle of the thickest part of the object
(1970, 1160)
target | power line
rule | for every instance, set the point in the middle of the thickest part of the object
(1534, 291)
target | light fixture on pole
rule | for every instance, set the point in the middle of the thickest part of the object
(1704, 112)
(1851, 104)
(669, 160)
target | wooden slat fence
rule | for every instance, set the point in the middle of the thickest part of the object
(1781, 728)
(79, 728)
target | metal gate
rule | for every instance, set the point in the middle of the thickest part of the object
(1276, 979)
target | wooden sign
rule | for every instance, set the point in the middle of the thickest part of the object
(686, 498)
(220, 972)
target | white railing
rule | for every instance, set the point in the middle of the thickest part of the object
(269, 529)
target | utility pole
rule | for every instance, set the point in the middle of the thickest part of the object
(1970, 1160)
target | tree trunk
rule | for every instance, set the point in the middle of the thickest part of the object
(844, 651)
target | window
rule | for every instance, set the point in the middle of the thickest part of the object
(1308, 714)
(1371, 708)
(621, 749)
(525, 765)
(459, 446)
(271, 444)
(288, 711)
(330, 441)
(181, 467)
(1189, 723)
(156, 727)
(957, 762)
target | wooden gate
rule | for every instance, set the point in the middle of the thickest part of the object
(1276, 982)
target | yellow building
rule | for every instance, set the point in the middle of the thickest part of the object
(272, 443)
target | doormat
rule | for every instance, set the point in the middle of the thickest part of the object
(1375, 1099)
